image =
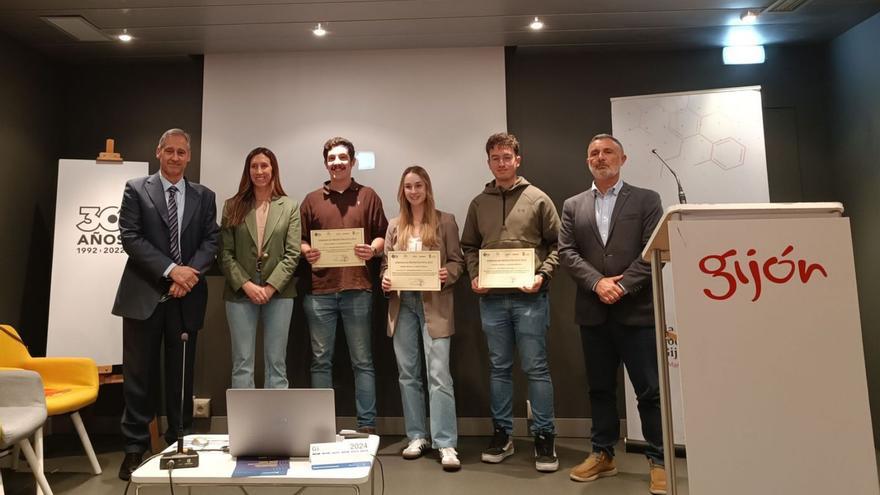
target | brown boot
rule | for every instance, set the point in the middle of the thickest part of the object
(598, 465)
(658, 480)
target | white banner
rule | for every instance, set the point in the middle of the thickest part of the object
(714, 140)
(772, 363)
(87, 260)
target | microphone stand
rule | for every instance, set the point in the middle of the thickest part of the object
(182, 458)
(681, 197)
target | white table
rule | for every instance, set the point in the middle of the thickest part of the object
(216, 468)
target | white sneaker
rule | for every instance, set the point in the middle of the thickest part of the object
(449, 459)
(416, 448)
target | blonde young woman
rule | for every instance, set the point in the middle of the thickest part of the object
(422, 322)
(260, 234)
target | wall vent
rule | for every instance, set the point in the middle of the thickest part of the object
(786, 6)
(77, 27)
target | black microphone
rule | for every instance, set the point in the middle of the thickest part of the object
(681, 197)
(188, 458)
(184, 337)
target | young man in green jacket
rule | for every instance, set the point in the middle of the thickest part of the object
(510, 213)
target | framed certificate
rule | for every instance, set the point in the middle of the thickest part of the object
(337, 247)
(507, 268)
(414, 270)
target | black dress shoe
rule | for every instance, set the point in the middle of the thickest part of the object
(129, 464)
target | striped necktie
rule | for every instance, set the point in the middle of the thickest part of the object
(172, 224)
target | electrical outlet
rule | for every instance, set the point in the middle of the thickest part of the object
(201, 407)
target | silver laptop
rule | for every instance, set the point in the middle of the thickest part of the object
(279, 422)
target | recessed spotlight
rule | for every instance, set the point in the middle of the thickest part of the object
(749, 17)
(319, 30)
(125, 37)
(536, 25)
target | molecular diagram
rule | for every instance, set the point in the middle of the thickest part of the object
(693, 130)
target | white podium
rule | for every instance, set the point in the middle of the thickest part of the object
(774, 391)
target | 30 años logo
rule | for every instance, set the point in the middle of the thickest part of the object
(99, 230)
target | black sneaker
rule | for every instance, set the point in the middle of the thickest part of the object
(545, 453)
(499, 449)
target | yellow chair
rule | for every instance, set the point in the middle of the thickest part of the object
(70, 384)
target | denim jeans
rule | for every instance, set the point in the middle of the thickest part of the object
(242, 316)
(605, 346)
(521, 320)
(410, 332)
(355, 307)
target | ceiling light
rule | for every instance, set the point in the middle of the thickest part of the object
(319, 30)
(749, 17)
(536, 25)
(125, 37)
(743, 36)
(738, 55)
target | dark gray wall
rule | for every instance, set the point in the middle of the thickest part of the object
(132, 102)
(557, 98)
(852, 161)
(29, 131)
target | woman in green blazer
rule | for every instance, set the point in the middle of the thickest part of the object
(261, 237)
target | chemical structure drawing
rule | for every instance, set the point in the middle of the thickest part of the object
(692, 130)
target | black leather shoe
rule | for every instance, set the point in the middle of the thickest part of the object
(129, 464)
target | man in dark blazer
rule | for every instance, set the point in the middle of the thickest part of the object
(169, 231)
(604, 230)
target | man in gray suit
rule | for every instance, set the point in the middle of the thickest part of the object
(604, 230)
(169, 231)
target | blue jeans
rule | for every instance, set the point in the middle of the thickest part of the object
(410, 330)
(242, 316)
(355, 307)
(520, 319)
(605, 346)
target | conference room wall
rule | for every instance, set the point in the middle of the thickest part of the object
(559, 97)
(850, 156)
(556, 98)
(133, 102)
(29, 132)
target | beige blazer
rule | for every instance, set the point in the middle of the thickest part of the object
(281, 241)
(439, 314)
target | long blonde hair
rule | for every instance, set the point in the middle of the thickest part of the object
(430, 220)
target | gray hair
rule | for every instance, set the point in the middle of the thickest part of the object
(174, 132)
(605, 136)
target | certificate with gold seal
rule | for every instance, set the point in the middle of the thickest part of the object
(414, 270)
(337, 247)
(507, 268)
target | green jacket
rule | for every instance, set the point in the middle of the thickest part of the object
(281, 241)
(521, 217)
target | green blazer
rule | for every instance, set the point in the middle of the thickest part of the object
(281, 241)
